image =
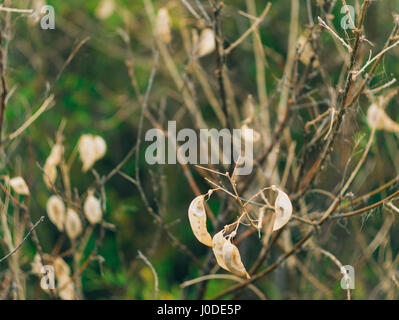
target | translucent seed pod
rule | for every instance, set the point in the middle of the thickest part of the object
(206, 42)
(218, 242)
(92, 209)
(19, 185)
(283, 209)
(66, 288)
(61, 268)
(73, 224)
(162, 26)
(49, 174)
(232, 259)
(91, 149)
(56, 212)
(105, 9)
(56, 153)
(197, 217)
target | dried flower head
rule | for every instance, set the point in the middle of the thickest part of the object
(197, 217)
(56, 212)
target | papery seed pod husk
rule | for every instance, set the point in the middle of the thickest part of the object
(283, 209)
(197, 217)
(19, 185)
(66, 288)
(55, 156)
(92, 209)
(61, 268)
(49, 174)
(232, 259)
(73, 224)
(105, 9)
(249, 134)
(306, 51)
(56, 212)
(218, 242)
(206, 42)
(162, 26)
(91, 149)
(379, 120)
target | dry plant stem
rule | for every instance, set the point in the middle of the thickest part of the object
(253, 288)
(310, 177)
(148, 263)
(338, 263)
(3, 87)
(159, 220)
(254, 26)
(44, 107)
(28, 220)
(25, 238)
(304, 239)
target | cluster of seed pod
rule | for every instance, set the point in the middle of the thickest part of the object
(226, 253)
(68, 219)
(91, 149)
(62, 273)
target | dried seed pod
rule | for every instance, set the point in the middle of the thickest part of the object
(206, 42)
(49, 174)
(306, 50)
(197, 217)
(232, 259)
(67, 288)
(92, 209)
(73, 224)
(61, 268)
(56, 212)
(91, 149)
(218, 242)
(283, 208)
(19, 185)
(162, 26)
(56, 153)
(379, 120)
(105, 9)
